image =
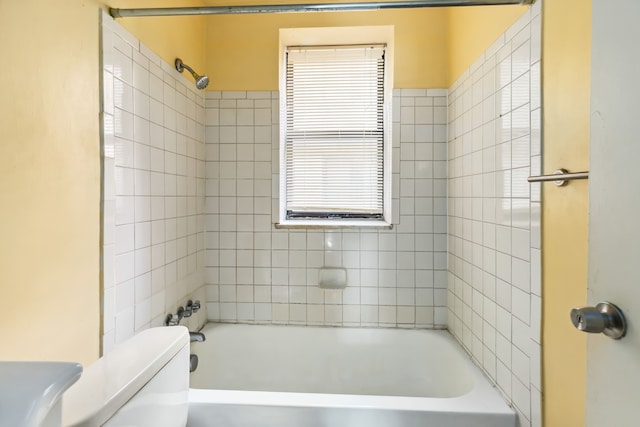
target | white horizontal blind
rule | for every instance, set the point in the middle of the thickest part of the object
(334, 132)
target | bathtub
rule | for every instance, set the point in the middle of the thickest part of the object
(295, 376)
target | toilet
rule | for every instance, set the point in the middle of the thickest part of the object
(142, 382)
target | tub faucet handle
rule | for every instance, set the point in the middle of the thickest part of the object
(196, 305)
(188, 310)
(171, 320)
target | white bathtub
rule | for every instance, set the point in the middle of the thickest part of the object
(292, 376)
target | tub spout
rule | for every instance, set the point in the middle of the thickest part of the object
(196, 336)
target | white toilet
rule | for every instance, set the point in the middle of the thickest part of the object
(142, 382)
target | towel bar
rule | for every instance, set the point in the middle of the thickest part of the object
(560, 177)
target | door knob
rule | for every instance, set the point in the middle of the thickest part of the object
(604, 317)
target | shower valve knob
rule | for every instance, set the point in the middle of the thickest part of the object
(189, 309)
(171, 320)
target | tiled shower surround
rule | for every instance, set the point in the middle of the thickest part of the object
(154, 178)
(192, 216)
(257, 273)
(494, 214)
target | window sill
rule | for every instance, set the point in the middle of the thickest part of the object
(324, 225)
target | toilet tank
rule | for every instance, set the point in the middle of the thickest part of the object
(142, 382)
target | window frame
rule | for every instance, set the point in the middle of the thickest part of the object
(338, 36)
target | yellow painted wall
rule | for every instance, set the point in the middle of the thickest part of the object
(49, 181)
(433, 46)
(471, 30)
(169, 37)
(242, 51)
(566, 80)
(50, 171)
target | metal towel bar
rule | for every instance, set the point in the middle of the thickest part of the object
(560, 177)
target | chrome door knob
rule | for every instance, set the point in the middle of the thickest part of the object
(604, 318)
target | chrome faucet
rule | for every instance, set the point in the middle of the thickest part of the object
(174, 319)
(192, 307)
(196, 336)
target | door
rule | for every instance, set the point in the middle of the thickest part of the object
(613, 366)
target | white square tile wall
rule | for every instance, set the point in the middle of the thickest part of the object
(494, 214)
(464, 251)
(154, 188)
(258, 274)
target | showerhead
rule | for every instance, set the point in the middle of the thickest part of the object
(201, 81)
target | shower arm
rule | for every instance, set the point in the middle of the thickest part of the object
(189, 69)
(314, 7)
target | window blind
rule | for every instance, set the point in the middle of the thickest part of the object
(334, 138)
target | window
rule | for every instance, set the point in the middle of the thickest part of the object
(335, 162)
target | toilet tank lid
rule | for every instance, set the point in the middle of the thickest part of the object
(107, 384)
